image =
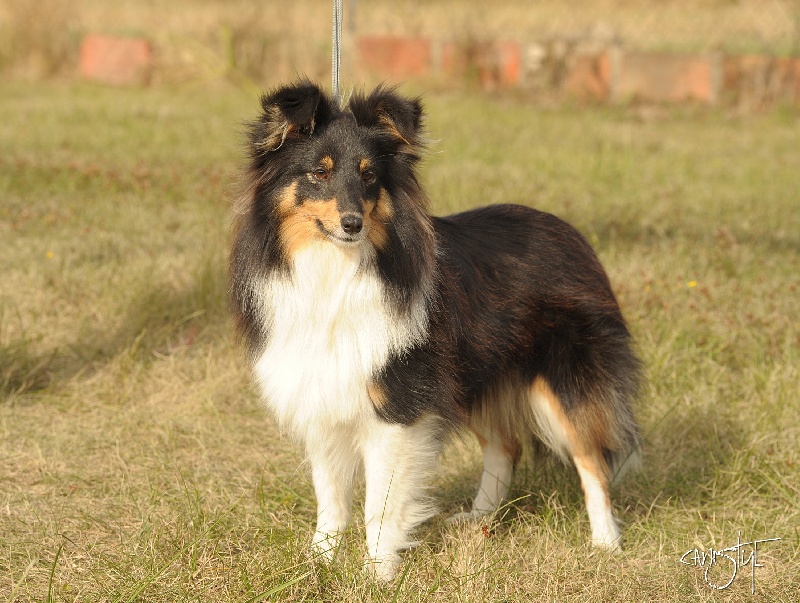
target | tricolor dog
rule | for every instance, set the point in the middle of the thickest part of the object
(375, 329)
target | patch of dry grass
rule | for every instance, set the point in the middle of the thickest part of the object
(136, 462)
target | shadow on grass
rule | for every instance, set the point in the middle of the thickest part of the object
(21, 370)
(159, 319)
(688, 450)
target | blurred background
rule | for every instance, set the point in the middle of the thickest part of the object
(711, 51)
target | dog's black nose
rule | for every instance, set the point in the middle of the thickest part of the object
(352, 223)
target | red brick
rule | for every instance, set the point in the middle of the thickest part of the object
(664, 77)
(588, 77)
(510, 59)
(499, 64)
(395, 57)
(115, 60)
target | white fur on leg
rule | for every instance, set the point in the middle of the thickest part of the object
(605, 533)
(498, 470)
(333, 463)
(331, 330)
(398, 461)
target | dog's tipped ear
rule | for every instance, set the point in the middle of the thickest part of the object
(398, 117)
(290, 112)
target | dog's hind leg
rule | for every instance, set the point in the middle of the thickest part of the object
(333, 465)
(496, 422)
(593, 471)
(580, 438)
(500, 454)
(398, 463)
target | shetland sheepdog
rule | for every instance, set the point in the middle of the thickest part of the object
(375, 329)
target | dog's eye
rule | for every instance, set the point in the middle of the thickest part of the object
(320, 173)
(367, 176)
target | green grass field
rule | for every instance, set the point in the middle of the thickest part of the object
(137, 464)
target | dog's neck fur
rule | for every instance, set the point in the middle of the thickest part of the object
(331, 329)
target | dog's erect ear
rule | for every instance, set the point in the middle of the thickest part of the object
(290, 112)
(398, 117)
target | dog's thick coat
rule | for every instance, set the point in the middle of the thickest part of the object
(374, 329)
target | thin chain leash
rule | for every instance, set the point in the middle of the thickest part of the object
(336, 60)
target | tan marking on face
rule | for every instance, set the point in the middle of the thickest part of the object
(295, 230)
(327, 162)
(376, 395)
(377, 217)
(324, 210)
(298, 227)
(287, 199)
(364, 165)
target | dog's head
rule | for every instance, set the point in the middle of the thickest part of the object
(321, 173)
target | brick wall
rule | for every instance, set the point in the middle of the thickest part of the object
(583, 69)
(587, 71)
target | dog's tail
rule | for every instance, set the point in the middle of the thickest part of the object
(583, 400)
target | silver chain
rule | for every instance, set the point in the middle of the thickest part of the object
(337, 50)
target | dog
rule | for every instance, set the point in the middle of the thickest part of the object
(375, 330)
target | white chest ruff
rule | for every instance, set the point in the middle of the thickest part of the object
(331, 329)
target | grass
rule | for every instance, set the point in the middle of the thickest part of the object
(136, 463)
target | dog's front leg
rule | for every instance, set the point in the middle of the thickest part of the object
(333, 464)
(398, 461)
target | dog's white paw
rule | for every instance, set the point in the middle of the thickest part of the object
(325, 546)
(606, 535)
(384, 568)
(612, 545)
